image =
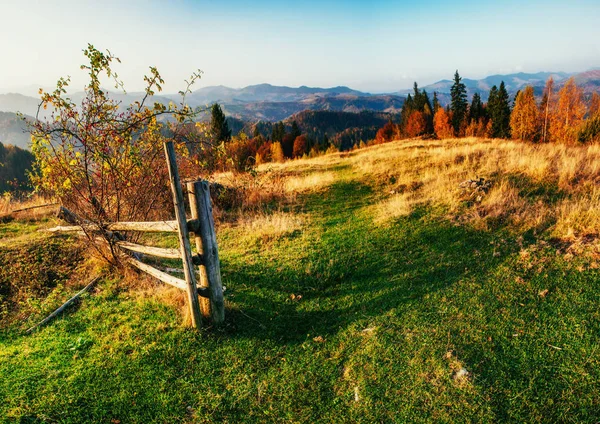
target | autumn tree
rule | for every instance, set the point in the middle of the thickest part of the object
(524, 118)
(415, 126)
(97, 157)
(458, 103)
(277, 152)
(218, 124)
(594, 108)
(443, 124)
(546, 109)
(570, 110)
(387, 133)
(300, 146)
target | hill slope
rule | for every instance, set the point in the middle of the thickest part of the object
(373, 290)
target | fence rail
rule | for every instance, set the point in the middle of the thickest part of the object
(205, 297)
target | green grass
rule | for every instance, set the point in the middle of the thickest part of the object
(345, 321)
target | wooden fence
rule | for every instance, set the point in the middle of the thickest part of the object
(205, 294)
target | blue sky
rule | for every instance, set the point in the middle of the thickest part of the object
(373, 46)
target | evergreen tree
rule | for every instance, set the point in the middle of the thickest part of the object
(218, 124)
(436, 103)
(476, 110)
(295, 130)
(256, 132)
(458, 104)
(499, 111)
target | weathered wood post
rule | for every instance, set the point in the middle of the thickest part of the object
(184, 236)
(206, 244)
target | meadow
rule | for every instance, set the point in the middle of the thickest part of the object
(364, 286)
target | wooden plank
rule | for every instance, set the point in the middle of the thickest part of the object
(164, 277)
(159, 275)
(64, 228)
(184, 237)
(64, 305)
(147, 227)
(206, 241)
(150, 250)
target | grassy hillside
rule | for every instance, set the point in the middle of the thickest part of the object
(361, 287)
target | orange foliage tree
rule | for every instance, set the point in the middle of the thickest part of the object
(387, 133)
(415, 125)
(594, 105)
(569, 113)
(524, 119)
(442, 124)
(300, 146)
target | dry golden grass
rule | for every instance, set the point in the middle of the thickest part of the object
(27, 208)
(310, 182)
(549, 188)
(271, 226)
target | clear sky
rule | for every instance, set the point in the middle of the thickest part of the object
(372, 45)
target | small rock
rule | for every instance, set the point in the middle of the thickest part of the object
(461, 374)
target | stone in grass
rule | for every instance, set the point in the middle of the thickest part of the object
(461, 375)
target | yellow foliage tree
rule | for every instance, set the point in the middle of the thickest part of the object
(524, 119)
(569, 113)
(277, 152)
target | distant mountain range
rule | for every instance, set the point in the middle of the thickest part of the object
(513, 82)
(266, 102)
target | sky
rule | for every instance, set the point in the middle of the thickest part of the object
(375, 46)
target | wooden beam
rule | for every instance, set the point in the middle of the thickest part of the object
(159, 275)
(184, 236)
(64, 305)
(150, 250)
(164, 277)
(147, 227)
(206, 243)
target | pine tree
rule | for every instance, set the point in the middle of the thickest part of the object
(436, 103)
(458, 104)
(256, 132)
(499, 112)
(218, 124)
(476, 110)
(295, 130)
(524, 120)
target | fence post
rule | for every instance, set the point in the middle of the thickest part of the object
(206, 243)
(184, 237)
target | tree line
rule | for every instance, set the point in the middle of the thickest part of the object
(561, 115)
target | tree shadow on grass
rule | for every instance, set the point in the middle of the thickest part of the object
(353, 270)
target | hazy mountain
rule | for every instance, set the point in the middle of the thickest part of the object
(12, 130)
(14, 102)
(263, 93)
(513, 82)
(277, 111)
